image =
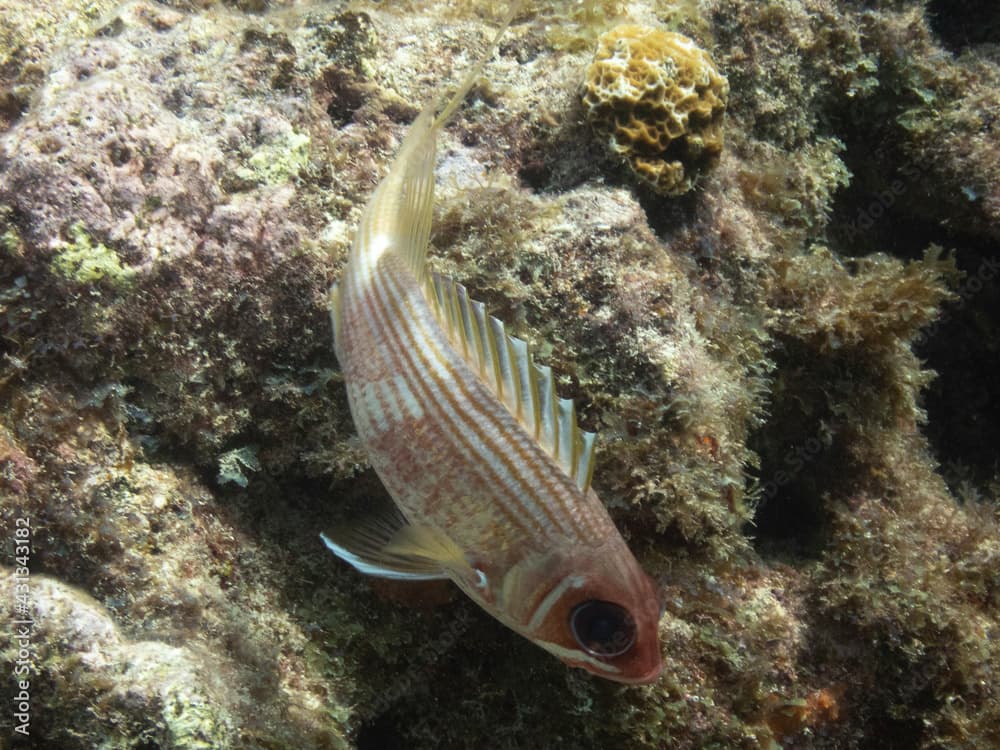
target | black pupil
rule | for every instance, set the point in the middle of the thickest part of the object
(602, 628)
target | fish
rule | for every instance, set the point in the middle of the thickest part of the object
(489, 474)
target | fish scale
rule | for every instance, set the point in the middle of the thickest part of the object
(488, 471)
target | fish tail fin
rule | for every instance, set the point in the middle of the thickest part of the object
(403, 204)
(448, 105)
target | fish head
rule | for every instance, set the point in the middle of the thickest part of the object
(595, 609)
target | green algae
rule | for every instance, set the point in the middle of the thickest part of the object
(277, 161)
(85, 262)
(10, 238)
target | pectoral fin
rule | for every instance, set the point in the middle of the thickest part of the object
(383, 544)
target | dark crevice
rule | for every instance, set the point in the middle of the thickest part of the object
(963, 347)
(893, 206)
(12, 108)
(348, 95)
(882, 210)
(805, 453)
(964, 23)
(380, 734)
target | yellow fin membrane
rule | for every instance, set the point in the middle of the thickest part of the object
(384, 544)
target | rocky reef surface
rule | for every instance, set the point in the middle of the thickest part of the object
(791, 369)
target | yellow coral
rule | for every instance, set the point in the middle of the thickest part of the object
(660, 101)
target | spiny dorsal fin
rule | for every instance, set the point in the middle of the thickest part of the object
(504, 363)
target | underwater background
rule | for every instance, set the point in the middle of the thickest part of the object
(788, 346)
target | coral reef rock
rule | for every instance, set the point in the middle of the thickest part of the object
(791, 369)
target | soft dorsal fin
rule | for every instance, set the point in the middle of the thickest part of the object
(504, 363)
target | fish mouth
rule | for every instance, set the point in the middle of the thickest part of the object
(648, 678)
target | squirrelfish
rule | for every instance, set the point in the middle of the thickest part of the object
(486, 465)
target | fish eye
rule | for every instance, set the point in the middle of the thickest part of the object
(602, 628)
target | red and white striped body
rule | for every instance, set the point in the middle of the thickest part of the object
(436, 434)
(535, 541)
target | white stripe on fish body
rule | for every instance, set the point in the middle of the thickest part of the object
(486, 445)
(579, 657)
(383, 404)
(388, 392)
(408, 400)
(513, 453)
(572, 581)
